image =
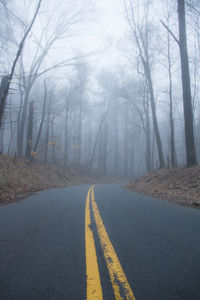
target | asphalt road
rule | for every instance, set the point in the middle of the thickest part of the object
(42, 245)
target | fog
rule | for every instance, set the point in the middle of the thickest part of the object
(98, 85)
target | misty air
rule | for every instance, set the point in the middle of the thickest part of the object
(100, 149)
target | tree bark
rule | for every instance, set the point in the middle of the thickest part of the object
(79, 134)
(30, 131)
(116, 140)
(126, 141)
(96, 141)
(66, 156)
(47, 129)
(153, 109)
(1, 140)
(42, 120)
(105, 146)
(187, 99)
(172, 140)
(148, 135)
(22, 123)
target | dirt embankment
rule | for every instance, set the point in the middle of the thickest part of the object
(21, 176)
(180, 185)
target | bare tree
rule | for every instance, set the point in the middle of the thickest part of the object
(30, 130)
(187, 98)
(142, 36)
(170, 63)
(6, 81)
(140, 105)
(42, 119)
(62, 29)
(103, 117)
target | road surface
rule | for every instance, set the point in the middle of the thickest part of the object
(102, 242)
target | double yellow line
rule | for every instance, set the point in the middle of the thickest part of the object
(121, 287)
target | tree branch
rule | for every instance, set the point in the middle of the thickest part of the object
(7, 80)
(166, 27)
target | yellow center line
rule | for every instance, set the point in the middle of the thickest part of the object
(94, 290)
(121, 287)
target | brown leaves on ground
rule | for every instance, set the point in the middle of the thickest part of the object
(23, 176)
(180, 185)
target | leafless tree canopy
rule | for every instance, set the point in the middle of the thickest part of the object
(107, 89)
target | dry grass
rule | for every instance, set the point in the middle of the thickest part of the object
(180, 185)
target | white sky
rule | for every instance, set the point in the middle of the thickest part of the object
(101, 33)
(112, 17)
(107, 29)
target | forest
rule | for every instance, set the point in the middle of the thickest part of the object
(110, 88)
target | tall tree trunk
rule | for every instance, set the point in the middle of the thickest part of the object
(132, 166)
(42, 120)
(30, 131)
(66, 156)
(146, 125)
(153, 108)
(96, 142)
(89, 143)
(11, 129)
(187, 99)
(100, 147)
(126, 152)
(22, 123)
(47, 129)
(18, 123)
(172, 140)
(2, 131)
(116, 141)
(4, 87)
(54, 140)
(1, 140)
(79, 137)
(46, 141)
(105, 145)
(148, 136)
(153, 163)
